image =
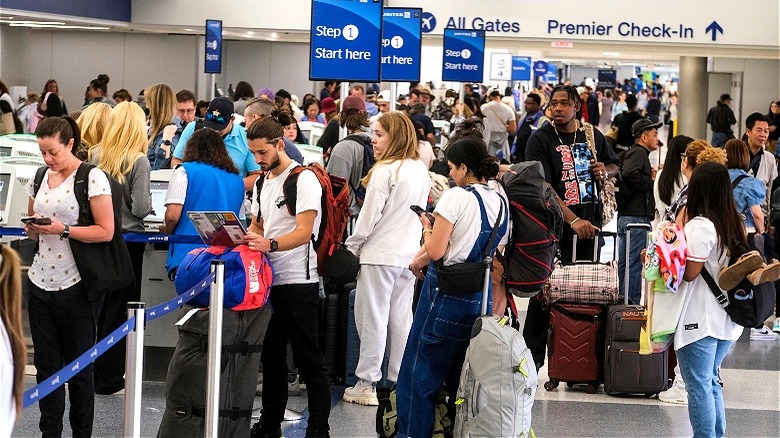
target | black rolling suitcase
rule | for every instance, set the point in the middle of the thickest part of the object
(185, 398)
(333, 335)
(625, 370)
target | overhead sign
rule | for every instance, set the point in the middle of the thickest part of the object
(540, 68)
(345, 40)
(401, 44)
(607, 78)
(552, 74)
(500, 66)
(464, 55)
(213, 46)
(562, 44)
(521, 68)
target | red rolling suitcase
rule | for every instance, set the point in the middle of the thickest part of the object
(575, 345)
(575, 342)
(625, 370)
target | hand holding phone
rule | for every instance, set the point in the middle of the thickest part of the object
(421, 211)
(36, 220)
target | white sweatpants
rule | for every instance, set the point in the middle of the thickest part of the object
(383, 315)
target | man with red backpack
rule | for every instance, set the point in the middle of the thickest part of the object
(288, 239)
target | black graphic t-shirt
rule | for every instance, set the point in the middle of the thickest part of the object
(566, 162)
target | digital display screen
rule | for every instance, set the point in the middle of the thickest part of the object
(5, 187)
(159, 190)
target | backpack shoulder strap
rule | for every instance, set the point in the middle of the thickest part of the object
(737, 180)
(290, 188)
(39, 179)
(81, 191)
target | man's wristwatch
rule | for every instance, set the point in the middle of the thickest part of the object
(66, 232)
(274, 245)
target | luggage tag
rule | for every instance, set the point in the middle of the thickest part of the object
(186, 317)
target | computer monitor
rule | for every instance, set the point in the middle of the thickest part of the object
(13, 198)
(158, 185)
(19, 145)
(311, 154)
(312, 131)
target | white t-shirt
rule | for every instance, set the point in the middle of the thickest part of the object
(386, 217)
(54, 267)
(461, 208)
(496, 116)
(427, 155)
(701, 315)
(7, 405)
(289, 266)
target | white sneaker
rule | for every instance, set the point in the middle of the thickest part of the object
(363, 393)
(676, 394)
(776, 326)
(762, 334)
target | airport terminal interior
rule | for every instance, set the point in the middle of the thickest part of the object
(527, 46)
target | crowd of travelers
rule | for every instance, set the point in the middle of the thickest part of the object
(391, 160)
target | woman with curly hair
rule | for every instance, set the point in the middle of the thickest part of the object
(207, 180)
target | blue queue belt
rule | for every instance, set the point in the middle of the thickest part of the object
(41, 390)
(129, 237)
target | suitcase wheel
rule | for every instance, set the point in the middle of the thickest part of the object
(551, 384)
(569, 385)
(591, 388)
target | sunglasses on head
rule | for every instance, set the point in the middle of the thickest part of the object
(221, 119)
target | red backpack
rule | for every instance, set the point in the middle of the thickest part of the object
(335, 208)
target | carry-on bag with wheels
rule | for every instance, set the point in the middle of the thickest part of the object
(498, 380)
(575, 341)
(625, 370)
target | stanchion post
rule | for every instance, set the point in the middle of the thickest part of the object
(134, 365)
(215, 348)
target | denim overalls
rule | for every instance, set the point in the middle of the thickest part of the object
(438, 339)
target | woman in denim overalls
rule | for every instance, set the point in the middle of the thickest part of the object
(441, 329)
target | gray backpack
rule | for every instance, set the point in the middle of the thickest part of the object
(497, 384)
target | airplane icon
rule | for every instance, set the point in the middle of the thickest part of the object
(428, 22)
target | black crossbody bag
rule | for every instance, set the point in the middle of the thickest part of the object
(468, 277)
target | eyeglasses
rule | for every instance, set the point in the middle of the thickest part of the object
(186, 111)
(221, 118)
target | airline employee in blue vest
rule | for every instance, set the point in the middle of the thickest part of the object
(207, 171)
(219, 117)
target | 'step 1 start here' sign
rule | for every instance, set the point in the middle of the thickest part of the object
(464, 55)
(345, 41)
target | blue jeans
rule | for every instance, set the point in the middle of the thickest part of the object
(719, 139)
(638, 243)
(699, 363)
(434, 354)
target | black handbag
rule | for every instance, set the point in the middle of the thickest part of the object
(468, 277)
(746, 304)
(104, 267)
(341, 266)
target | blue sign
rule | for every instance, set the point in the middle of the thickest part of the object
(552, 74)
(607, 78)
(345, 40)
(521, 68)
(428, 22)
(401, 44)
(540, 68)
(213, 46)
(116, 10)
(464, 55)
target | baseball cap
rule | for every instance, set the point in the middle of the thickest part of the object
(384, 96)
(218, 114)
(266, 93)
(643, 125)
(353, 102)
(328, 105)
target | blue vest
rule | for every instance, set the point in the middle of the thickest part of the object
(209, 188)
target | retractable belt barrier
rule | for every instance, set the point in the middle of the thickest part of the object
(41, 390)
(129, 237)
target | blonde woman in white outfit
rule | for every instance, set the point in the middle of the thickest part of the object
(386, 238)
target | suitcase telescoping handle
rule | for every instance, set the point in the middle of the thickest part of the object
(626, 277)
(596, 248)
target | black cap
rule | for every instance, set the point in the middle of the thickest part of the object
(724, 97)
(219, 113)
(643, 125)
